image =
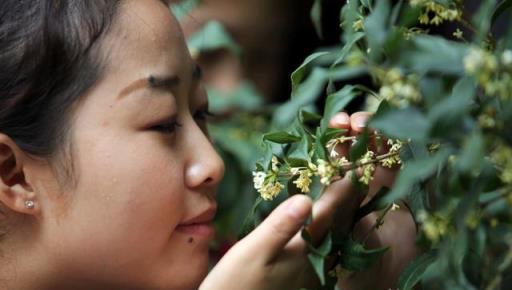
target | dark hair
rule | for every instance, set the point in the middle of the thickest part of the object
(49, 57)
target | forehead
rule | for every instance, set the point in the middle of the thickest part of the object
(146, 38)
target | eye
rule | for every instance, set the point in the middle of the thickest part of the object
(203, 115)
(168, 127)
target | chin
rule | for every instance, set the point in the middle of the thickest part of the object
(197, 270)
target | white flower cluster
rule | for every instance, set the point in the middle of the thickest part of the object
(398, 89)
(394, 151)
(266, 183)
(325, 170)
(304, 180)
(435, 13)
(368, 167)
(494, 74)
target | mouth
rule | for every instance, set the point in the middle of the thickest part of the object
(200, 225)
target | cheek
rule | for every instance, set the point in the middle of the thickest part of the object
(129, 198)
(140, 182)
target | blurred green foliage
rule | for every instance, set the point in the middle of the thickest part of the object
(447, 95)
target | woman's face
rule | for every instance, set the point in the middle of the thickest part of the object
(146, 170)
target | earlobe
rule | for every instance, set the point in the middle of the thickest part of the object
(15, 193)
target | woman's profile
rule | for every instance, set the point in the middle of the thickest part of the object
(107, 175)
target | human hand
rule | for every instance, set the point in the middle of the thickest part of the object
(274, 255)
(398, 231)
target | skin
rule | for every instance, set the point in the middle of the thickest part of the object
(121, 226)
(136, 183)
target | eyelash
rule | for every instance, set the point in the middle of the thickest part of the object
(203, 114)
(167, 128)
(173, 125)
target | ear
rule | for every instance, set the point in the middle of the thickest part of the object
(15, 193)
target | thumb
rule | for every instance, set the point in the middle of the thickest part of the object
(272, 235)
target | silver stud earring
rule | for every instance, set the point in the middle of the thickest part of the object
(29, 204)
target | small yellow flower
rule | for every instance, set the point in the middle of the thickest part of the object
(270, 189)
(304, 180)
(386, 93)
(395, 147)
(368, 167)
(453, 14)
(434, 228)
(502, 157)
(275, 164)
(473, 60)
(358, 25)
(424, 19)
(258, 179)
(326, 171)
(506, 58)
(458, 34)
(437, 20)
(312, 166)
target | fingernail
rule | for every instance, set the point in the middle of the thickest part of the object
(299, 207)
(360, 122)
(342, 120)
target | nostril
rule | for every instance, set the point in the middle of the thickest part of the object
(208, 180)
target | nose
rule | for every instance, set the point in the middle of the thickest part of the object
(204, 166)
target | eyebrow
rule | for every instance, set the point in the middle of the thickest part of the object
(158, 82)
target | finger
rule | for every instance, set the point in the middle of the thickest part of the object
(337, 205)
(358, 122)
(270, 237)
(341, 121)
(382, 177)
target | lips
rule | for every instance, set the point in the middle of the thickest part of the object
(200, 225)
(205, 216)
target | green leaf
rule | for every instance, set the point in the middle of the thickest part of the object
(348, 46)
(472, 155)
(318, 265)
(336, 103)
(434, 54)
(413, 272)
(248, 224)
(403, 124)
(360, 147)
(397, 9)
(310, 117)
(318, 254)
(299, 73)
(507, 39)
(301, 149)
(414, 171)
(348, 15)
(456, 104)
(354, 257)
(482, 19)
(500, 9)
(281, 137)
(319, 149)
(297, 162)
(212, 36)
(306, 93)
(184, 8)
(447, 114)
(316, 17)
(376, 27)
(333, 133)
(342, 73)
